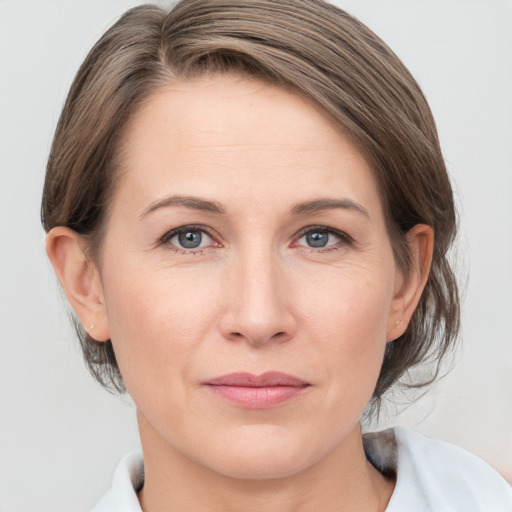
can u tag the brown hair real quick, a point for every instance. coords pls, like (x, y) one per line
(306, 46)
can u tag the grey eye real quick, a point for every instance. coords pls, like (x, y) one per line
(317, 238)
(190, 239)
(323, 238)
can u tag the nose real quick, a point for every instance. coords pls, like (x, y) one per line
(258, 304)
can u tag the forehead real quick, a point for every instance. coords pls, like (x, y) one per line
(221, 131)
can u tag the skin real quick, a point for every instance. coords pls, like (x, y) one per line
(254, 297)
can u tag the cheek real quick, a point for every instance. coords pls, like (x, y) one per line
(157, 321)
(347, 322)
(351, 305)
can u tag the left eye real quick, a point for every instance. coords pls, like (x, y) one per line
(319, 238)
(189, 238)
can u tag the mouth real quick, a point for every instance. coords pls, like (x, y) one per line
(264, 391)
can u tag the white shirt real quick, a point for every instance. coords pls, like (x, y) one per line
(432, 476)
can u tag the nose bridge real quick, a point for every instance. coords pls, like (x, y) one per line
(259, 310)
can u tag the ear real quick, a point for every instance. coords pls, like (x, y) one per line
(409, 288)
(80, 280)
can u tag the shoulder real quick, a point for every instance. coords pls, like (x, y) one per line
(128, 478)
(437, 476)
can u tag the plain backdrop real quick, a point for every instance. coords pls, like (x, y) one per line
(61, 435)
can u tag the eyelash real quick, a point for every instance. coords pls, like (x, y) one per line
(185, 229)
(346, 240)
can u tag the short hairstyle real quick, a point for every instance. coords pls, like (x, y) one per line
(308, 47)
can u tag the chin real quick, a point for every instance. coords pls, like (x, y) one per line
(267, 454)
(258, 467)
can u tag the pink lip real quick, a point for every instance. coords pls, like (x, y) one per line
(257, 391)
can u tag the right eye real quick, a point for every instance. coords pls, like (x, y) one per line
(189, 239)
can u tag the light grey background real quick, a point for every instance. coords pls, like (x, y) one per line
(61, 435)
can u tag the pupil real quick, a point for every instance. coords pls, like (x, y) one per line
(190, 239)
(317, 239)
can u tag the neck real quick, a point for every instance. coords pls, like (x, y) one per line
(342, 481)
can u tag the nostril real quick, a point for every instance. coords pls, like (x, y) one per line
(275, 337)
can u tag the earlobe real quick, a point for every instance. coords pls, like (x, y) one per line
(80, 280)
(421, 246)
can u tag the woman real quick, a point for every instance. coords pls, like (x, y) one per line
(248, 210)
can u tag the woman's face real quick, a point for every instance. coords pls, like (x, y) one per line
(246, 236)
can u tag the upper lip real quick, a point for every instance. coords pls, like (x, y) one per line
(268, 379)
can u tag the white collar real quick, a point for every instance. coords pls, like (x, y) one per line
(432, 476)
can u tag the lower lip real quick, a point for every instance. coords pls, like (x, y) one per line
(257, 397)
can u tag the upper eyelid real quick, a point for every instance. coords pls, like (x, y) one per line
(164, 240)
(215, 237)
(188, 227)
(328, 229)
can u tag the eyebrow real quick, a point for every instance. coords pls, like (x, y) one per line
(194, 203)
(304, 208)
(318, 205)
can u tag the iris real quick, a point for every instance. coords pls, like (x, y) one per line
(317, 238)
(190, 239)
